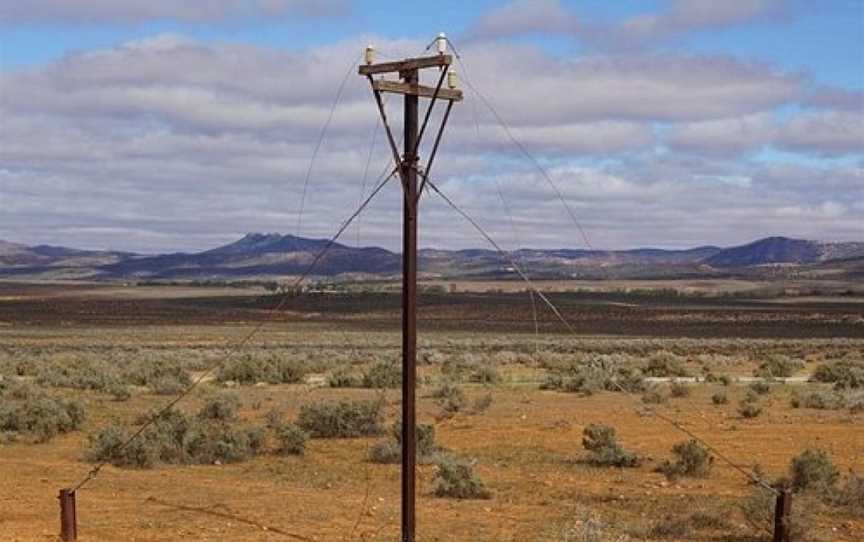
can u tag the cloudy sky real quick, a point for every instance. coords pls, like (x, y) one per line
(162, 125)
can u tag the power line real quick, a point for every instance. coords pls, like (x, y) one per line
(320, 141)
(232, 350)
(674, 423)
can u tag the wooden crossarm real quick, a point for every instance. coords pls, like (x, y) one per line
(417, 90)
(406, 65)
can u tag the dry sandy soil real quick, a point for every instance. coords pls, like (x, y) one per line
(526, 446)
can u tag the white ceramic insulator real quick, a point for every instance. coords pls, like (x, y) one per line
(452, 79)
(441, 40)
(370, 54)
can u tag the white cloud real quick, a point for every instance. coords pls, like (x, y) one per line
(135, 11)
(168, 143)
(821, 133)
(523, 17)
(676, 19)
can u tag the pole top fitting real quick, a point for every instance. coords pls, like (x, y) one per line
(441, 42)
(370, 54)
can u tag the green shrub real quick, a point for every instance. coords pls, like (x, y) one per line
(843, 374)
(758, 508)
(760, 388)
(25, 409)
(725, 380)
(604, 450)
(813, 469)
(749, 409)
(589, 378)
(819, 400)
(486, 374)
(778, 366)
(390, 450)
(425, 437)
(159, 374)
(719, 398)
(665, 365)
(119, 392)
(220, 407)
(449, 397)
(168, 385)
(850, 495)
(692, 459)
(455, 479)
(175, 438)
(221, 443)
(383, 375)
(654, 397)
(79, 374)
(342, 378)
(341, 419)
(385, 452)
(291, 439)
(679, 389)
(272, 369)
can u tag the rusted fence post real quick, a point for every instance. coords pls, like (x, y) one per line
(68, 516)
(782, 515)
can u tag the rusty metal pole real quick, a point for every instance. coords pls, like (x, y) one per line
(782, 515)
(68, 516)
(409, 311)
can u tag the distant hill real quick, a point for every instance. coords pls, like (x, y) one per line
(273, 255)
(782, 250)
(15, 255)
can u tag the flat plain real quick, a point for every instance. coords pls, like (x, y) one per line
(526, 390)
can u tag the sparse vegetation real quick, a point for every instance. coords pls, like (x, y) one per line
(176, 438)
(291, 439)
(758, 508)
(390, 450)
(760, 388)
(455, 479)
(778, 366)
(254, 368)
(664, 364)
(26, 410)
(691, 459)
(603, 448)
(383, 375)
(449, 397)
(845, 375)
(341, 419)
(749, 409)
(813, 470)
(819, 400)
(524, 442)
(679, 389)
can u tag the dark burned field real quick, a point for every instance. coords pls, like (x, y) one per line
(506, 312)
(511, 403)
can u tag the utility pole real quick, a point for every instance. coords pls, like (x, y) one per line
(408, 165)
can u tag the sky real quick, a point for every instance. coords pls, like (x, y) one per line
(166, 126)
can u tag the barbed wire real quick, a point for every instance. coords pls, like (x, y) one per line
(611, 378)
(232, 350)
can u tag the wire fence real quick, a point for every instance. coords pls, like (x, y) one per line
(517, 265)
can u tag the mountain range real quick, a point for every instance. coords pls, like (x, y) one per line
(260, 256)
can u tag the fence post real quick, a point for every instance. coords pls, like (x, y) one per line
(68, 516)
(782, 515)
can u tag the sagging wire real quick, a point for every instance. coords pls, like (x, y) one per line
(669, 420)
(231, 351)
